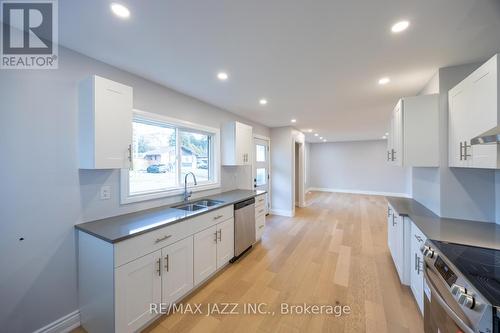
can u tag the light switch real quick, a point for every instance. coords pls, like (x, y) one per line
(105, 192)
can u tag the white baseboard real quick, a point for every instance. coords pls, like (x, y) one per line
(388, 194)
(282, 212)
(62, 325)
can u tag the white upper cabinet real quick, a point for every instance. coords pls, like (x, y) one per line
(414, 132)
(105, 124)
(473, 110)
(237, 144)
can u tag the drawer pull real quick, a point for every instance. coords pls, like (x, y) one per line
(261, 200)
(261, 211)
(167, 263)
(418, 238)
(261, 226)
(161, 239)
(158, 269)
(218, 217)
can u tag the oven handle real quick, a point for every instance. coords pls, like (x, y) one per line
(445, 306)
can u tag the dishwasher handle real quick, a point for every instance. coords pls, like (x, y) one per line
(243, 204)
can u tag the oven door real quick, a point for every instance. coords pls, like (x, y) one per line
(441, 312)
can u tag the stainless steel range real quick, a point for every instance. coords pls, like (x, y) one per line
(462, 288)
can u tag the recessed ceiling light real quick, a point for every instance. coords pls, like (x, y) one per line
(120, 10)
(222, 76)
(400, 26)
(324, 140)
(293, 120)
(316, 134)
(263, 101)
(384, 80)
(384, 137)
(321, 138)
(309, 130)
(386, 134)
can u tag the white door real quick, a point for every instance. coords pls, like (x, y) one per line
(138, 284)
(205, 254)
(178, 270)
(225, 242)
(261, 168)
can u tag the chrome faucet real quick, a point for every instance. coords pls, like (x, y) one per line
(187, 194)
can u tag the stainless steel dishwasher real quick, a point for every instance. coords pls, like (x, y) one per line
(244, 226)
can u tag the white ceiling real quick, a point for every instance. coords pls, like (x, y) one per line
(314, 60)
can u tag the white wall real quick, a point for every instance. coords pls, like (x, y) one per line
(358, 166)
(43, 194)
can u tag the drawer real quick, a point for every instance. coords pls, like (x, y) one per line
(260, 204)
(260, 225)
(141, 245)
(207, 220)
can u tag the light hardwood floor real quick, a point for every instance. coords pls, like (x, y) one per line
(332, 252)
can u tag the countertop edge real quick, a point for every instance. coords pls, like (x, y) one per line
(80, 227)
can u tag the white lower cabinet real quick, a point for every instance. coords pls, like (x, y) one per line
(137, 284)
(120, 283)
(225, 242)
(398, 230)
(404, 239)
(417, 239)
(213, 248)
(260, 216)
(205, 254)
(177, 277)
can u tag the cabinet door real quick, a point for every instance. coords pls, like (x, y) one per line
(205, 254)
(483, 116)
(177, 277)
(137, 284)
(416, 266)
(113, 123)
(398, 134)
(390, 232)
(457, 111)
(225, 244)
(244, 143)
(397, 250)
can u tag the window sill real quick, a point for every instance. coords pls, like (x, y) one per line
(127, 199)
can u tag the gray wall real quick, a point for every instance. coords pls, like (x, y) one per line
(43, 194)
(356, 166)
(453, 192)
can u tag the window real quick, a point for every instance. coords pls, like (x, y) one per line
(164, 150)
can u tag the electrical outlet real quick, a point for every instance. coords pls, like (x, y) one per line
(105, 192)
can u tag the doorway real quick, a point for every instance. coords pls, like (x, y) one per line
(298, 175)
(261, 167)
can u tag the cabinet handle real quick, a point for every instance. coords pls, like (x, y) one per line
(167, 263)
(220, 235)
(260, 200)
(388, 155)
(161, 239)
(461, 148)
(261, 211)
(158, 269)
(130, 158)
(393, 220)
(261, 226)
(419, 270)
(416, 263)
(215, 236)
(466, 146)
(218, 217)
(393, 155)
(418, 238)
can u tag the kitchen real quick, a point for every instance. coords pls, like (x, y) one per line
(179, 166)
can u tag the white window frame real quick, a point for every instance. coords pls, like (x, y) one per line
(125, 196)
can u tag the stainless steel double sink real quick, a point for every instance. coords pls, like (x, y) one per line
(198, 205)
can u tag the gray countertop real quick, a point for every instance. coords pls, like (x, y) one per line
(465, 232)
(118, 228)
